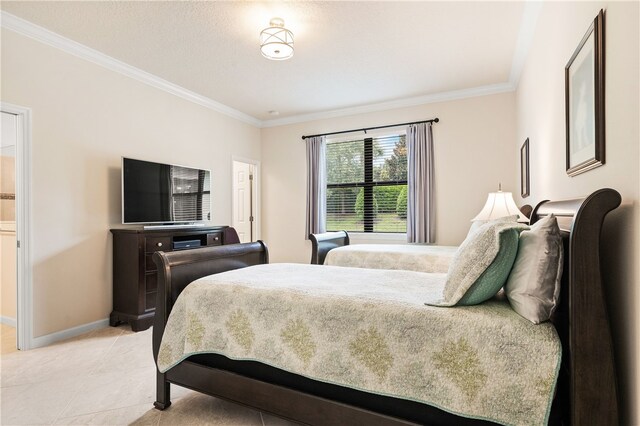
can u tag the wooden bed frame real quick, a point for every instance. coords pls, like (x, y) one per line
(321, 244)
(586, 391)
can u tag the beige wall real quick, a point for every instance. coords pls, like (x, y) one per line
(474, 151)
(541, 118)
(85, 118)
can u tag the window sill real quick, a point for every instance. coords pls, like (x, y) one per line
(377, 238)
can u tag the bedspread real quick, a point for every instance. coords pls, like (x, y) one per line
(369, 329)
(409, 257)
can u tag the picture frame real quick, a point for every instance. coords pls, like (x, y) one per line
(584, 101)
(524, 170)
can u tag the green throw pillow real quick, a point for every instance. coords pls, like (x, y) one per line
(496, 275)
(481, 265)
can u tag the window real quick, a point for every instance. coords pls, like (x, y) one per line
(367, 184)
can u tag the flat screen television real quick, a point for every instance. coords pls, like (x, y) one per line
(157, 193)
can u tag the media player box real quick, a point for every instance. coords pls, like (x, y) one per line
(177, 245)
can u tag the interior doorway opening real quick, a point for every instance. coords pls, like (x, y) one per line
(245, 199)
(8, 239)
(16, 269)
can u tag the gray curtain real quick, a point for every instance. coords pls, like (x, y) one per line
(316, 186)
(420, 208)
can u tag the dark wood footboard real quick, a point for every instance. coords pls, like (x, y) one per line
(179, 268)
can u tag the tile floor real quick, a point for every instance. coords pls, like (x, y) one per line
(105, 377)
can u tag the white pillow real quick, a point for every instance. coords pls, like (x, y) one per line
(533, 287)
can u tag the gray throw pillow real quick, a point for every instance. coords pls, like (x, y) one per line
(481, 265)
(533, 287)
(476, 224)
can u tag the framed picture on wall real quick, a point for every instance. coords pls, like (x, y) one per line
(584, 101)
(524, 169)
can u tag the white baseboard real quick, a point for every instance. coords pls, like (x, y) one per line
(49, 339)
(11, 322)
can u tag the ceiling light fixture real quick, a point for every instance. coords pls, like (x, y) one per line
(276, 42)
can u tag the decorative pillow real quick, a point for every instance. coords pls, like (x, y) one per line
(476, 224)
(482, 264)
(533, 287)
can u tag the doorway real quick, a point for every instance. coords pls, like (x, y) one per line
(8, 241)
(15, 223)
(244, 188)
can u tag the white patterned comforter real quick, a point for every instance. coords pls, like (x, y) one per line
(408, 257)
(369, 329)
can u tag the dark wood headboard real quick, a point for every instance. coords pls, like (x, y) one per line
(321, 244)
(587, 380)
(526, 210)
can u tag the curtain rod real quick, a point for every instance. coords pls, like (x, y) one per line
(364, 129)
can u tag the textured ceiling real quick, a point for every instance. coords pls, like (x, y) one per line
(347, 54)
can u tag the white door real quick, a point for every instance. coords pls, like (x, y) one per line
(243, 201)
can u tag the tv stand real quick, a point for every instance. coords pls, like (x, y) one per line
(173, 226)
(135, 276)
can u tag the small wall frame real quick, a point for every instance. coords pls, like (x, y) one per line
(524, 170)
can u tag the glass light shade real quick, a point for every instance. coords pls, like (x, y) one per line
(276, 42)
(499, 204)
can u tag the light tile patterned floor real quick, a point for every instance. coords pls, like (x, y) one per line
(105, 377)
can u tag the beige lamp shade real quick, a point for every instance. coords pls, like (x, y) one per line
(499, 204)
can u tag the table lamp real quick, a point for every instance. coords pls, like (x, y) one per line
(499, 204)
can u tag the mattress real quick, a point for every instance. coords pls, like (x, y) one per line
(409, 257)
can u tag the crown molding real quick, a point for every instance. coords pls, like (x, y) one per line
(523, 44)
(491, 89)
(31, 30)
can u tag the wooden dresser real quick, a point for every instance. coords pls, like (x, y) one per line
(135, 276)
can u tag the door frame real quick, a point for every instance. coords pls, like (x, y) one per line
(256, 187)
(24, 272)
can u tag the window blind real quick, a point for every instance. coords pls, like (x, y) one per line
(367, 184)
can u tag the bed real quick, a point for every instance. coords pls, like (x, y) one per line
(409, 257)
(586, 386)
(334, 248)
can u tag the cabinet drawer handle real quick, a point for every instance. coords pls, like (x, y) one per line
(216, 238)
(159, 244)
